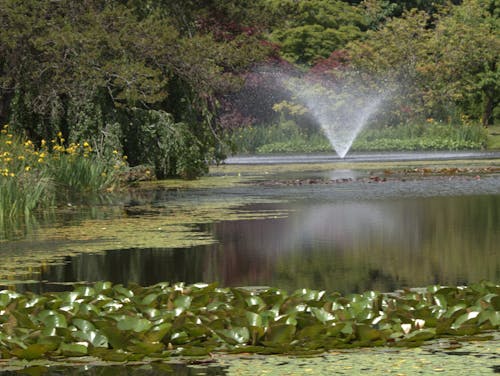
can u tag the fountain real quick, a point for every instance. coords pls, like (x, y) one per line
(340, 110)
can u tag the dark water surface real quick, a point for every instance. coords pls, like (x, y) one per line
(346, 237)
(338, 244)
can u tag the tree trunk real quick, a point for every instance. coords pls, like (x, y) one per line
(489, 105)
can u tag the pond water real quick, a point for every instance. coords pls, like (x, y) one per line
(337, 246)
(351, 235)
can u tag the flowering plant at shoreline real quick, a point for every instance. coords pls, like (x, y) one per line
(33, 176)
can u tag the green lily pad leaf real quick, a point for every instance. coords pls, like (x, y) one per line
(110, 355)
(234, 336)
(195, 351)
(309, 295)
(311, 332)
(149, 299)
(280, 334)
(495, 303)
(255, 301)
(23, 320)
(69, 297)
(465, 318)
(467, 330)
(136, 324)
(93, 337)
(348, 329)
(420, 335)
(83, 325)
(34, 351)
(322, 315)
(335, 330)
(441, 301)
(367, 333)
(183, 302)
(101, 287)
(254, 319)
(120, 290)
(85, 291)
(6, 296)
(55, 320)
(52, 341)
(74, 349)
(116, 337)
(146, 348)
(87, 309)
(179, 338)
(492, 316)
(158, 332)
(455, 310)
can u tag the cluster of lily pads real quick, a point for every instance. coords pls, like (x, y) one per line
(118, 323)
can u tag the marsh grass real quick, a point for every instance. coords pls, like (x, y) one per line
(34, 177)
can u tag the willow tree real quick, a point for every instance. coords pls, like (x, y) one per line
(142, 78)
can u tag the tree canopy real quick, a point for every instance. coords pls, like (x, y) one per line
(156, 79)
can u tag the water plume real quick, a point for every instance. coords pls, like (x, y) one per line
(340, 110)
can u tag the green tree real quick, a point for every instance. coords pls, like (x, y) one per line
(464, 66)
(313, 29)
(93, 68)
(390, 58)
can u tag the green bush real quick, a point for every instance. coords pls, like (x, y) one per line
(173, 149)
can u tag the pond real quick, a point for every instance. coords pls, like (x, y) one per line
(339, 226)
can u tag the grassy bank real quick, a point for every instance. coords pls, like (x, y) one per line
(288, 137)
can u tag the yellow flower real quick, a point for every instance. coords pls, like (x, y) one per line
(8, 142)
(86, 144)
(27, 168)
(43, 143)
(21, 157)
(40, 160)
(115, 152)
(59, 134)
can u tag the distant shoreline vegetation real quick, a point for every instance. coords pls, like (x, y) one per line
(288, 137)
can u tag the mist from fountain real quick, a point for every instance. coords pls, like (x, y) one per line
(340, 111)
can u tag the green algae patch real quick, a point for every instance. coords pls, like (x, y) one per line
(172, 225)
(204, 182)
(439, 357)
(115, 323)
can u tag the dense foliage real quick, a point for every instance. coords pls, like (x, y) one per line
(164, 82)
(124, 75)
(119, 323)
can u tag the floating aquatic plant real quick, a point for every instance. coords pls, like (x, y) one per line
(116, 323)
